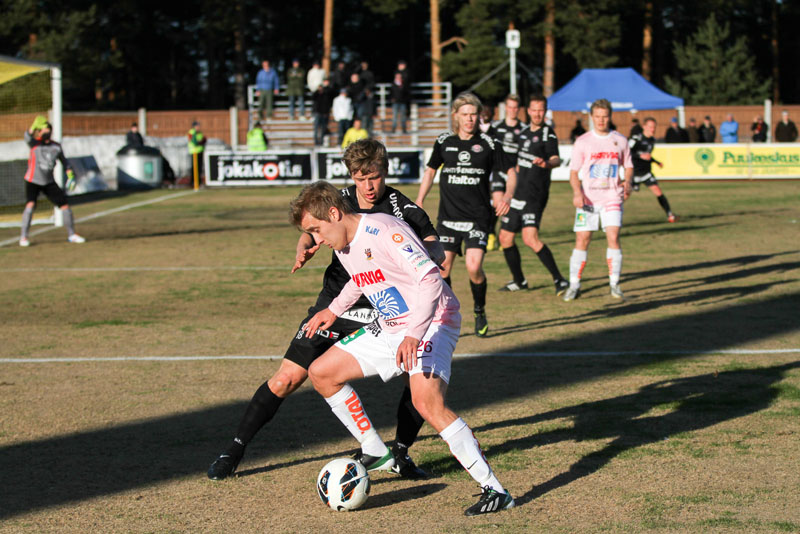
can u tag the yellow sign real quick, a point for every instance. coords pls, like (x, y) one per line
(701, 161)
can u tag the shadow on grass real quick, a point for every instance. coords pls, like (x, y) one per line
(85, 465)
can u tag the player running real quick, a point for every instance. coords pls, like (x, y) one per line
(642, 145)
(368, 165)
(467, 159)
(506, 132)
(597, 194)
(45, 153)
(536, 156)
(415, 333)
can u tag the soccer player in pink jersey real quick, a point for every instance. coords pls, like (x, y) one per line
(415, 333)
(598, 191)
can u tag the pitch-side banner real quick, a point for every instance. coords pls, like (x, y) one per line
(405, 166)
(714, 161)
(258, 168)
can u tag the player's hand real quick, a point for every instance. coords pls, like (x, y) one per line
(501, 206)
(70, 180)
(578, 201)
(407, 353)
(303, 256)
(39, 122)
(627, 188)
(539, 162)
(646, 156)
(660, 165)
(322, 320)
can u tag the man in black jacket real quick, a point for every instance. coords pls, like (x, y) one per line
(322, 100)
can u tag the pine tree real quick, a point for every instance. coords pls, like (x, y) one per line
(716, 71)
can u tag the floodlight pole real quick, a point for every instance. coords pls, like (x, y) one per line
(512, 43)
(55, 121)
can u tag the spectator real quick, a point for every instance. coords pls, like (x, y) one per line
(256, 138)
(636, 129)
(339, 77)
(367, 76)
(314, 77)
(321, 106)
(355, 133)
(729, 130)
(485, 125)
(342, 113)
(294, 89)
(402, 69)
(196, 144)
(400, 98)
(693, 132)
(133, 137)
(785, 131)
(759, 129)
(267, 84)
(366, 110)
(675, 134)
(577, 131)
(708, 132)
(355, 89)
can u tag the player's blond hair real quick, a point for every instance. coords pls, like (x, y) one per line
(601, 103)
(317, 199)
(465, 99)
(365, 156)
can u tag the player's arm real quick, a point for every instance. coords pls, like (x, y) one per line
(502, 200)
(306, 248)
(324, 319)
(578, 199)
(628, 181)
(428, 292)
(435, 249)
(425, 185)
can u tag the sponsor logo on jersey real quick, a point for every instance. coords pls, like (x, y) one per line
(389, 303)
(368, 253)
(350, 337)
(529, 218)
(604, 155)
(397, 238)
(451, 149)
(446, 239)
(463, 180)
(414, 256)
(464, 156)
(373, 231)
(600, 170)
(458, 226)
(477, 234)
(477, 148)
(517, 204)
(368, 278)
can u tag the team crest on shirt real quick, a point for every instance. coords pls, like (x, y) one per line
(477, 148)
(535, 138)
(464, 156)
(397, 238)
(389, 303)
(368, 253)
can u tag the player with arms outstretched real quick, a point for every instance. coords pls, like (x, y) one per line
(467, 159)
(415, 333)
(642, 145)
(595, 173)
(368, 165)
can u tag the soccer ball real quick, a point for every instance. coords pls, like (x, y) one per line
(343, 484)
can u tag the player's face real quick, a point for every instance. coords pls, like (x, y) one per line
(601, 117)
(466, 117)
(512, 109)
(331, 232)
(649, 128)
(369, 187)
(536, 111)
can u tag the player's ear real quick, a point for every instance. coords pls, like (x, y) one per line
(334, 215)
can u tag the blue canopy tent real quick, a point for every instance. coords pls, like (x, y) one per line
(625, 88)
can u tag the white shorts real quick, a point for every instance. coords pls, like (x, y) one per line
(376, 351)
(589, 221)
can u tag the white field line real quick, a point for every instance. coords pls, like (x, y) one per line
(455, 356)
(146, 268)
(102, 214)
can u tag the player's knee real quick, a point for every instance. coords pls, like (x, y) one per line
(284, 383)
(506, 239)
(427, 406)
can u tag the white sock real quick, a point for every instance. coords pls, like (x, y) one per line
(458, 435)
(27, 217)
(69, 221)
(346, 405)
(576, 264)
(614, 260)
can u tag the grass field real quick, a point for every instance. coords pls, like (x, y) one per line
(675, 410)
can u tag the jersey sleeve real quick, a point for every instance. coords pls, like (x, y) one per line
(502, 160)
(349, 295)
(576, 162)
(627, 161)
(550, 145)
(416, 218)
(436, 161)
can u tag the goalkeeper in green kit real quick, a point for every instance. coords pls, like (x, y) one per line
(39, 178)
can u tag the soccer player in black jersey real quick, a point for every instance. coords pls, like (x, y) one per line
(467, 158)
(368, 165)
(537, 155)
(642, 145)
(505, 132)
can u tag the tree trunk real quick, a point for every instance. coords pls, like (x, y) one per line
(776, 86)
(436, 48)
(240, 89)
(647, 41)
(548, 84)
(327, 36)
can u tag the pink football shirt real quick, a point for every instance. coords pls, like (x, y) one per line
(388, 264)
(600, 161)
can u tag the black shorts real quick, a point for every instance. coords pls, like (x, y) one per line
(452, 234)
(525, 213)
(646, 179)
(303, 351)
(51, 191)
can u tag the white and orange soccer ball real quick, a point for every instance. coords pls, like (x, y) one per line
(343, 484)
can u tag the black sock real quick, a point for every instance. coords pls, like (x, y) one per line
(409, 421)
(546, 257)
(664, 203)
(478, 295)
(447, 281)
(259, 412)
(514, 262)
